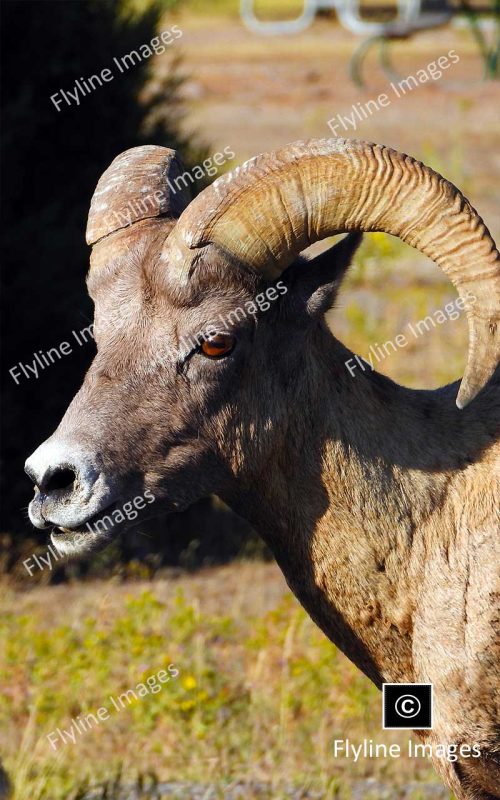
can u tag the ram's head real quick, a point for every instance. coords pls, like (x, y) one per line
(209, 327)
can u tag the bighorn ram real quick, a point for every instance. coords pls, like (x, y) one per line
(380, 503)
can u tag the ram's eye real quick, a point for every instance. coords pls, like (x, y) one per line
(217, 346)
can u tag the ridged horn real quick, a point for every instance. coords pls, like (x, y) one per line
(140, 183)
(275, 205)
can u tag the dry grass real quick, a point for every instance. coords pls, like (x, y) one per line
(260, 696)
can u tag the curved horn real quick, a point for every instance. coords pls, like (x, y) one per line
(140, 183)
(265, 212)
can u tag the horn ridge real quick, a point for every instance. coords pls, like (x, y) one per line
(273, 206)
(140, 183)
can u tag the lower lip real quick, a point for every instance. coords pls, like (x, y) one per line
(59, 530)
(64, 533)
(68, 533)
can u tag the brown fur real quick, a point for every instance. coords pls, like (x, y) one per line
(380, 503)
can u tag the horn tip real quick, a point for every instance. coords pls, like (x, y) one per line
(468, 391)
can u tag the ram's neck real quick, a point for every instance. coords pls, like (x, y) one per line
(347, 503)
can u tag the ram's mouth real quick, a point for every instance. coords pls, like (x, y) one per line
(95, 523)
(95, 534)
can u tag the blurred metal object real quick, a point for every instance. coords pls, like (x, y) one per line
(384, 23)
(280, 27)
(411, 15)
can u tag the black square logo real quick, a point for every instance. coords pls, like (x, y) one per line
(407, 706)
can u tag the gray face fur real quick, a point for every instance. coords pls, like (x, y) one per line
(157, 416)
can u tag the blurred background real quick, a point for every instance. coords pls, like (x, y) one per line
(261, 693)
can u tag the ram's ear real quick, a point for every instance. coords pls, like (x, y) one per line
(313, 284)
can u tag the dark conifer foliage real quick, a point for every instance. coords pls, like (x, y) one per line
(51, 162)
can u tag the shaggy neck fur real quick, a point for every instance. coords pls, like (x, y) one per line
(354, 502)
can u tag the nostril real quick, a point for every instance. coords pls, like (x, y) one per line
(60, 479)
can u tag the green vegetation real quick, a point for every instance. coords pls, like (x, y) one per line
(390, 287)
(259, 696)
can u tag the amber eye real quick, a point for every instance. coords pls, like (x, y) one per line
(219, 345)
